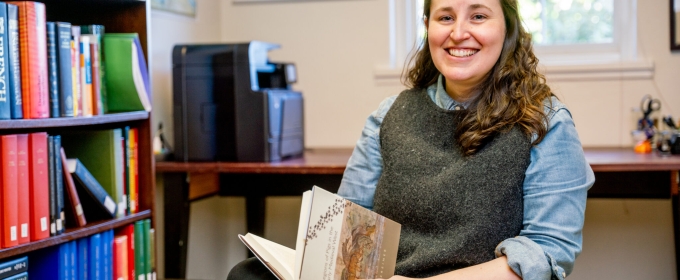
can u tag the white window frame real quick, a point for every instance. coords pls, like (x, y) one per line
(616, 60)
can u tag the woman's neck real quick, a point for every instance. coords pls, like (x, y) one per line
(460, 93)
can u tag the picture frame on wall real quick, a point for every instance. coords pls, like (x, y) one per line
(675, 24)
(182, 7)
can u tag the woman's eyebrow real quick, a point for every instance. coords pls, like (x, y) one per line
(478, 6)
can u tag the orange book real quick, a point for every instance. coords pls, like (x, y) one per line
(75, 74)
(38, 186)
(71, 195)
(97, 106)
(33, 57)
(22, 183)
(120, 258)
(133, 170)
(9, 194)
(85, 76)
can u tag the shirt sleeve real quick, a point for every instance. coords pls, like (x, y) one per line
(555, 192)
(365, 165)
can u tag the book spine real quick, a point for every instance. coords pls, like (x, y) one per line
(120, 257)
(130, 232)
(10, 217)
(14, 69)
(94, 188)
(23, 185)
(52, 184)
(140, 252)
(53, 76)
(20, 276)
(96, 257)
(152, 252)
(13, 267)
(107, 247)
(147, 248)
(97, 106)
(99, 31)
(64, 69)
(72, 194)
(86, 75)
(83, 259)
(33, 42)
(5, 102)
(126, 168)
(134, 171)
(75, 70)
(38, 186)
(73, 264)
(64, 261)
(59, 184)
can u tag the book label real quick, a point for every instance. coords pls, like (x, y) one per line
(43, 224)
(79, 209)
(53, 228)
(13, 233)
(109, 204)
(58, 224)
(24, 230)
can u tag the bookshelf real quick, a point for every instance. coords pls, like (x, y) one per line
(118, 16)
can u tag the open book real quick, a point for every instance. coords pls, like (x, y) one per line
(336, 239)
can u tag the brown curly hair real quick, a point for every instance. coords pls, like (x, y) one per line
(512, 94)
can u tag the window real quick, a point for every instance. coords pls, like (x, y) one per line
(578, 35)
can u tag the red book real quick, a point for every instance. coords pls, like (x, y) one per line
(97, 106)
(120, 258)
(10, 192)
(22, 183)
(130, 232)
(38, 186)
(33, 57)
(76, 209)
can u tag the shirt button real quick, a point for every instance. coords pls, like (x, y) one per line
(457, 107)
(564, 274)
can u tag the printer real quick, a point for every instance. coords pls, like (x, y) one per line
(232, 104)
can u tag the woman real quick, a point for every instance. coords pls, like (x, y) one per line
(478, 161)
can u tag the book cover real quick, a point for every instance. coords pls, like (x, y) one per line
(98, 30)
(75, 215)
(152, 252)
(107, 255)
(14, 66)
(10, 191)
(73, 259)
(83, 269)
(50, 263)
(20, 276)
(85, 75)
(75, 71)
(133, 170)
(65, 78)
(52, 185)
(13, 267)
(140, 251)
(120, 257)
(33, 56)
(127, 78)
(38, 186)
(97, 196)
(5, 102)
(59, 184)
(96, 257)
(129, 231)
(336, 239)
(23, 186)
(125, 163)
(97, 106)
(147, 247)
(102, 153)
(53, 77)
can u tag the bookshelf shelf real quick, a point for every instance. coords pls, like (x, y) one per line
(70, 122)
(75, 233)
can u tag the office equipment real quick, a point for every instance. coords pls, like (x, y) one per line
(232, 104)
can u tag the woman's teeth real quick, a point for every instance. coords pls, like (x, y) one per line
(462, 53)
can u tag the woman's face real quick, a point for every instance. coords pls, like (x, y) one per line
(466, 38)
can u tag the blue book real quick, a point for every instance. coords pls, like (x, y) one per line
(107, 255)
(14, 64)
(83, 260)
(50, 263)
(96, 257)
(13, 267)
(92, 193)
(65, 78)
(53, 77)
(4, 54)
(73, 261)
(21, 276)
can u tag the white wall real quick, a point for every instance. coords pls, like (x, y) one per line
(337, 45)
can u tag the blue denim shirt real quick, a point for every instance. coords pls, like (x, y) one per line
(555, 189)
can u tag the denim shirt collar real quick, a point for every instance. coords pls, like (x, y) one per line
(438, 93)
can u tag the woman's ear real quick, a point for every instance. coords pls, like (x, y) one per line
(426, 23)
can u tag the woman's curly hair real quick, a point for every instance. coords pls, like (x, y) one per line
(512, 94)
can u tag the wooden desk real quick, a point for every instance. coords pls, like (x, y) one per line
(619, 173)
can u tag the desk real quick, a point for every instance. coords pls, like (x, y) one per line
(619, 173)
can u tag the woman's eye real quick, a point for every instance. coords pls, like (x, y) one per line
(446, 18)
(478, 17)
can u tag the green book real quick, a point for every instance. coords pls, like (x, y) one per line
(152, 251)
(102, 152)
(140, 251)
(127, 77)
(147, 248)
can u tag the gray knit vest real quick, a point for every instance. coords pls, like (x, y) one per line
(453, 210)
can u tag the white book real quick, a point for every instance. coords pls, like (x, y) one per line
(335, 237)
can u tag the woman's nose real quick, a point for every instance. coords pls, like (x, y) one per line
(459, 32)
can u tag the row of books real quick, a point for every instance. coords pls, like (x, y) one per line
(55, 69)
(128, 253)
(43, 191)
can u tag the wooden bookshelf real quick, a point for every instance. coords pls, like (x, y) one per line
(118, 16)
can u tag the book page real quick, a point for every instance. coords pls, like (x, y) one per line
(302, 231)
(280, 257)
